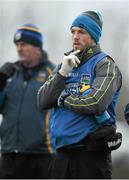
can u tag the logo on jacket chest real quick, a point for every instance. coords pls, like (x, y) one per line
(73, 75)
(85, 79)
(82, 78)
(79, 83)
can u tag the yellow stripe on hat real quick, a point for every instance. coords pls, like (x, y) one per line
(30, 28)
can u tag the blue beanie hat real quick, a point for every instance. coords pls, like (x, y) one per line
(92, 22)
(29, 33)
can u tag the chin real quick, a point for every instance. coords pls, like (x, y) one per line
(22, 59)
(77, 48)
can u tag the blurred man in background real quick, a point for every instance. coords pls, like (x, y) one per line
(25, 144)
(83, 93)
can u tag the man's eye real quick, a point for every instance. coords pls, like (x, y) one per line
(82, 32)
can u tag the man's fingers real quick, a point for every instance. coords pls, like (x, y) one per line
(75, 52)
(77, 60)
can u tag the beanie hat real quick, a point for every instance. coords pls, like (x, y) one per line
(29, 33)
(92, 22)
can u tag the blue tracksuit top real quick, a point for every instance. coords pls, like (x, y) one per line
(68, 127)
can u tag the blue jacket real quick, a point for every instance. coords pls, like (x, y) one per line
(93, 92)
(74, 127)
(24, 129)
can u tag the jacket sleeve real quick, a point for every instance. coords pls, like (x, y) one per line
(2, 100)
(107, 81)
(48, 94)
(3, 79)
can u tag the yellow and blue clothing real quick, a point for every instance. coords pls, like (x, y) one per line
(94, 89)
(23, 128)
(69, 127)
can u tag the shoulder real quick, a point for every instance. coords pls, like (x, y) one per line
(108, 67)
(48, 64)
(105, 62)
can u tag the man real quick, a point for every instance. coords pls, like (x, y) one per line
(83, 93)
(25, 142)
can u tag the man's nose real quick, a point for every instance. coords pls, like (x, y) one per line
(76, 35)
(19, 47)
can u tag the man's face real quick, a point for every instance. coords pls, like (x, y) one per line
(80, 38)
(28, 54)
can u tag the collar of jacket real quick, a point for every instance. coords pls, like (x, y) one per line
(87, 53)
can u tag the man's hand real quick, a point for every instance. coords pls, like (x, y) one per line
(69, 62)
(7, 69)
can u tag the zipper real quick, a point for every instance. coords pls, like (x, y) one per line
(25, 84)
